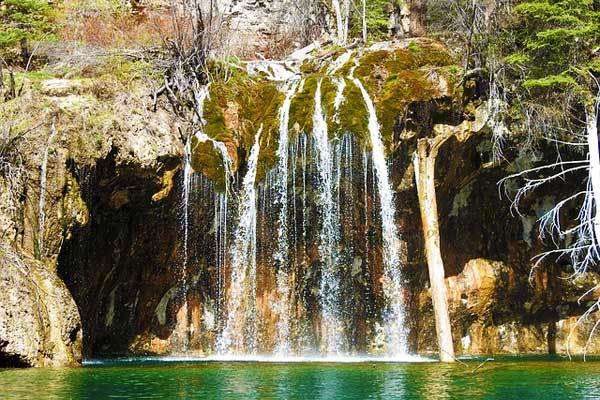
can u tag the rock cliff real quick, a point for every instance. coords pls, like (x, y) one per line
(109, 222)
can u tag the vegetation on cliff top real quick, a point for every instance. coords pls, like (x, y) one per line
(554, 42)
(20, 22)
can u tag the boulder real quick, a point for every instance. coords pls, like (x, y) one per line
(39, 321)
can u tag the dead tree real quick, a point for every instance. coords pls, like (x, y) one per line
(424, 164)
(424, 160)
(576, 240)
(187, 53)
(342, 18)
(364, 21)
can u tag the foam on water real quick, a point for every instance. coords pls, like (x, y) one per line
(254, 358)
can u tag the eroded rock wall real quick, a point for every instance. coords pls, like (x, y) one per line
(39, 321)
(113, 220)
(73, 128)
(500, 301)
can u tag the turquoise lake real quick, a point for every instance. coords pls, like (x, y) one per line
(509, 378)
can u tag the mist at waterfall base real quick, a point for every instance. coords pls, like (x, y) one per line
(508, 378)
(292, 249)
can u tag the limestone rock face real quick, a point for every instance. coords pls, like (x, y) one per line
(39, 320)
(484, 300)
(96, 128)
(261, 26)
(113, 210)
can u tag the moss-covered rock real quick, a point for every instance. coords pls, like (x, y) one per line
(234, 112)
(395, 76)
(303, 105)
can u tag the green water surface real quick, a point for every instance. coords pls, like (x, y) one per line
(499, 379)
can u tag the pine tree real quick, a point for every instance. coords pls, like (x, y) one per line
(557, 41)
(22, 21)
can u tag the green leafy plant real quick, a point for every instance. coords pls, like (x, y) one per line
(557, 40)
(22, 21)
(377, 16)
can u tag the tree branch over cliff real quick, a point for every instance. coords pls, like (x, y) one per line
(196, 27)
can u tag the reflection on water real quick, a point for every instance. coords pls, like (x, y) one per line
(512, 379)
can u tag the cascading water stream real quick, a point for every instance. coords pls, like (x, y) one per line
(394, 315)
(339, 98)
(187, 187)
(239, 333)
(221, 213)
(43, 184)
(332, 341)
(187, 179)
(283, 306)
(222, 198)
(188, 172)
(308, 203)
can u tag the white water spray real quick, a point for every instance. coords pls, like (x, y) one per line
(239, 332)
(332, 341)
(394, 317)
(283, 306)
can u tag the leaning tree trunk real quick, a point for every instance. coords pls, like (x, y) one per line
(342, 19)
(424, 163)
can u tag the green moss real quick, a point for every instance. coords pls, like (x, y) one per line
(207, 160)
(214, 116)
(263, 110)
(432, 55)
(126, 72)
(344, 70)
(400, 90)
(414, 47)
(353, 115)
(234, 112)
(35, 77)
(302, 106)
(328, 93)
(375, 67)
(309, 67)
(371, 61)
(239, 106)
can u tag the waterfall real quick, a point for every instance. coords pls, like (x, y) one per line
(331, 325)
(339, 62)
(365, 166)
(221, 212)
(220, 224)
(187, 183)
(43, 184)
(394, 315)
(187, 188)
(239, 332)
(306, 230)
(283, 307)
(187, 179)
(302, 142)
(339, 98)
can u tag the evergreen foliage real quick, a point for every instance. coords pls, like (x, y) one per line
(556, 42)
(377, 19)
(22, 21)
